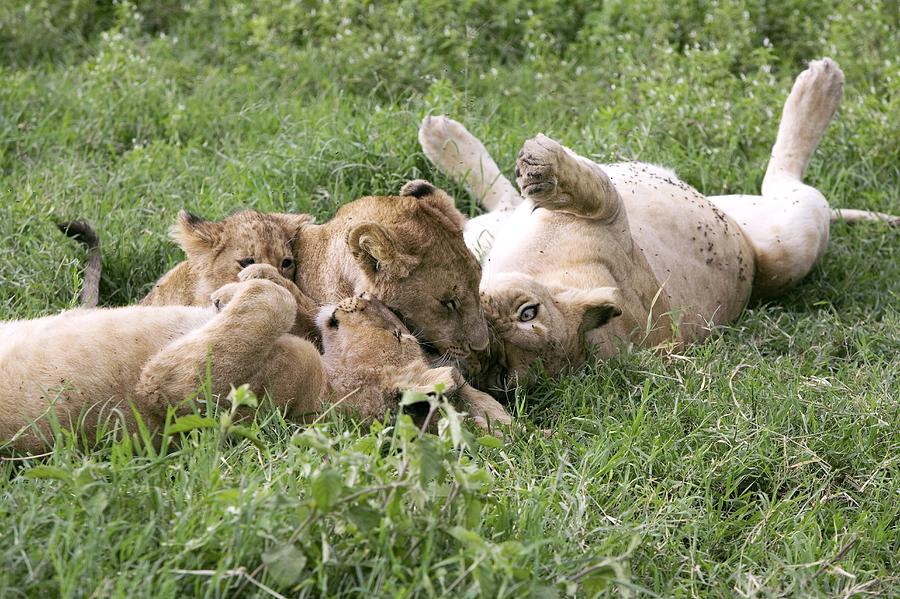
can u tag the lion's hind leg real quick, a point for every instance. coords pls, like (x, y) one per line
(788, 225)
(239, 345)
(788, 233)
(809, 108)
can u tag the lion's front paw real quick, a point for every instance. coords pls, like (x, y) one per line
(223, 295)
(260, 271)
(537, 169)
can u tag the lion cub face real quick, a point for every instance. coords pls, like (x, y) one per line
(218, 250)
(372, 358)
(535, 323)
(411, 250)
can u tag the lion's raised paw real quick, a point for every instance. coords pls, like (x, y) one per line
(260, 271)
(537, 168)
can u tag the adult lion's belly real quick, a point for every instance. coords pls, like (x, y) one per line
(696, 251)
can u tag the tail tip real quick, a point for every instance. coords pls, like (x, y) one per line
(80, 230)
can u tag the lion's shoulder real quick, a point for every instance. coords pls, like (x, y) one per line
(176, 287)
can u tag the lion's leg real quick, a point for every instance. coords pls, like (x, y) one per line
(788, 225)
(307, 309)
(293, 376)
(484, 410)
(459, 155)
(809, 108)
(555, 178)
(233, 345)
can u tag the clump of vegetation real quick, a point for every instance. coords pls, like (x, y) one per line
(760, 463)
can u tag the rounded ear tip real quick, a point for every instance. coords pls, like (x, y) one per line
(189, 218)
(418, 188)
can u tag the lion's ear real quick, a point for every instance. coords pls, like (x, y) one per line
(426, 381)
(436, 199)
(195, 234)
(291, 223)
(379, 253)
(592, 308)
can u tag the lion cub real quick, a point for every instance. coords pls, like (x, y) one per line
(216, 252)
(371, 358)
(408, 250)
(85, 367)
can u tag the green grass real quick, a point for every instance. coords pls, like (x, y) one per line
(765, 462)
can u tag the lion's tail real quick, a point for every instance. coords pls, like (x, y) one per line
(853, 216)
(82, 231)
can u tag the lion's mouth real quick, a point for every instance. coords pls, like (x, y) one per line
(427, 346)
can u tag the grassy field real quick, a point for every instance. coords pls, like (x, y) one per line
(763, 463)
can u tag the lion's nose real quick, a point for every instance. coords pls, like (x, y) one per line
(479, 345)
(478, 338)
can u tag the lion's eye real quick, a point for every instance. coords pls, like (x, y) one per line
(528, 312)
(451, 304)
(246, 262)
(287, 264)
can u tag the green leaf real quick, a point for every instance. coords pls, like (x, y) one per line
(412, 397)
(51, 472)
(285, 564)
(394, 507)
(405, 427)
(245, 433)
(431, 463)
(191, 422)
(229, 496)
(452, 421)
(243, 396)
(364, 517)
(473, 513)
(468, 538)
(597, 580)
(97, 502)
(326, 488)
(312, 438)
(490, 441)
(367, 445)
(511, 550)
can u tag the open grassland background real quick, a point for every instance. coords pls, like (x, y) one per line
(766, 461)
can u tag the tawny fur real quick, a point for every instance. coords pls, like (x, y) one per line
(370, 358)
(407, 250)
(216, 251)
(585, 241)
(83, 367)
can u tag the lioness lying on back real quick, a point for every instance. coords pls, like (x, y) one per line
(605, 255)
(88, 365)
